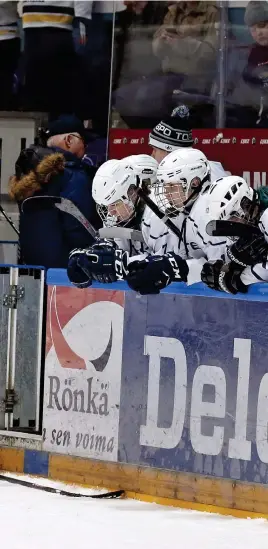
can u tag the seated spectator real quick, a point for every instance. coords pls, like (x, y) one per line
(187, 43)
(180, 56)
(249, 90)
(47, 236)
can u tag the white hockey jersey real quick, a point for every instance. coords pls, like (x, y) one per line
(193, 245)
(198, 244)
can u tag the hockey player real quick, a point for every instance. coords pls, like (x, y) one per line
(115, 192)
(223, 264)
(174, 133)
(116, 196)
(246, 258)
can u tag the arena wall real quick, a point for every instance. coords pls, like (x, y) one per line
(162, 396)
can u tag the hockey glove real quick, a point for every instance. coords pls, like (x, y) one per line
(78, 269)
(154, 273)
(103, 262)
(107, 263)
(223, 277)
(246, 251)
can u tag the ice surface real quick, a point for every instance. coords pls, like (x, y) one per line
(31, 519)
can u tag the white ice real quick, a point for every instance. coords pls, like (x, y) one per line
(31, 519)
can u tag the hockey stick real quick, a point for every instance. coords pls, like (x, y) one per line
(21, 482)
(9, 220)
(143, 194)
(231, 228)
(36, 203)
(121, 232)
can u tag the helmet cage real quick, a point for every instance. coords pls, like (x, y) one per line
(120, 212)
(173, 197)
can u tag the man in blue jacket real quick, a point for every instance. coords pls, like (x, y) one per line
(48, 236)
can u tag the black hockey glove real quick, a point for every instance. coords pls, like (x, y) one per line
(224, 277)
(103, 262)
(246, 251)
(107, 262)
(154, 273)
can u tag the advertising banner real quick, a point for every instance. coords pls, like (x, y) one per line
(194, 392)
(83, 372)
(241, 152)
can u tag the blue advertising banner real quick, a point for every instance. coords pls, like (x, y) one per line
(194, 385)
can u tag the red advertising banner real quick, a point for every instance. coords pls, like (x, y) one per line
(241, 152)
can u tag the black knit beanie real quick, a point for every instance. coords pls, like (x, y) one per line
(173, 132)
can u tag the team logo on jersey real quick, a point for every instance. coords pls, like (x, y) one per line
(194, 246)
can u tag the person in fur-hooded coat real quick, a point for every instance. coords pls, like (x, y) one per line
(48, 236)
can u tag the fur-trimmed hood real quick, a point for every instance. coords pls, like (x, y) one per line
(28, 185)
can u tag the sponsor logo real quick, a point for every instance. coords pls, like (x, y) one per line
(264, 142)
(244, 141)
(83, 373)
(134, 141)
(237, 445)
(206, 141)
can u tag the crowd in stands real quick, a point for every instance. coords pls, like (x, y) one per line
(182, 56)
(56, 57)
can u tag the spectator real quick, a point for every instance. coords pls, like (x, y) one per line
(54, 78)
(249, 90)
(9, 52)
(179, 57)
(186, 43)
(47, 237)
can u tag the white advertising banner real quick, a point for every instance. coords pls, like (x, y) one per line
(83, 372)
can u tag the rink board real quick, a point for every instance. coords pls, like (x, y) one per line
(163, 396)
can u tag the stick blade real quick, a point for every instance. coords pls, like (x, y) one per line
(38, 203)
(121, 233)
(231, 228)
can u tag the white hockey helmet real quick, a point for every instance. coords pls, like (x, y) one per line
(180, 178)
(114, 191)
(230, 197)
(145, 166)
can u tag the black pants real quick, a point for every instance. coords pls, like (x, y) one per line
(53, 75)
(9, 57)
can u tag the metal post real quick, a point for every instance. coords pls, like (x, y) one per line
(222, 64)
(11, 348)
(111, 82)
